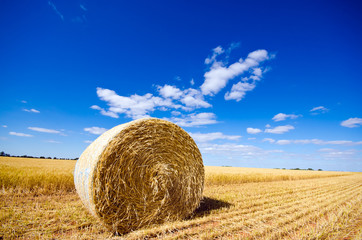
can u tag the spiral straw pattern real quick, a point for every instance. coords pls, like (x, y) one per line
(141, 173)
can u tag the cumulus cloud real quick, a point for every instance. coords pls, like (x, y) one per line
(253, 130)
(31, 110)
(318, 110)
(207, 137)
(135, 106)
(352, 122)
(279, 129)
(175, 99)
(283, 116)
(219, 74)
(168, 91)
(239, 90)
(194, 120)
(20, 134)
(95, 130)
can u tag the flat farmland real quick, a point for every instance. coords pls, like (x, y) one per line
(38, 201)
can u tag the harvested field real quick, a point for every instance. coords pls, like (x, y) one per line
(37, 201)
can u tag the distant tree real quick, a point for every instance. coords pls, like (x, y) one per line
(320, 170)
(54, 157)
(310, 169)
(42, 157)
(2, 153)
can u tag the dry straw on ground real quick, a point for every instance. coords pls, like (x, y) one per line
(141, 173)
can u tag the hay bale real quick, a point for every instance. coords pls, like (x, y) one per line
(141, 173)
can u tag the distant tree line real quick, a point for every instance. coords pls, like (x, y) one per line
(307, 169)
(3, 154)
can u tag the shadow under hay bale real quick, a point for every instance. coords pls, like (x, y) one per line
(207, 205)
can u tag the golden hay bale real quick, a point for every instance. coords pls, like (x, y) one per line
(144, 172)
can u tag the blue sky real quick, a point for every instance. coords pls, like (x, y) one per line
(271, 84)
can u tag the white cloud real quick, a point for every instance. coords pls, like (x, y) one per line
(20, 134)
(31, 110)
(319, 142)
(193, 119)
(352, 122)
(168, 91)
(88, 141)
(193, 98)
(51, 4)
(206, 137)
(268, 140)
(192, 82)
(330, 153)
(318, 110)
(283, 142)
(283, 116)
(4, 126)
(216, 52)
(23, 101)
(135, 106)
(95, 130)
(251, 138)
(253, 130)
(267, 126)
(279, 129)
(219, 75)
(104, 112)
(45, 130)
(53, 141)
(239, 90)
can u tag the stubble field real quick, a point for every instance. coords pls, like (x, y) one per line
(38, 201)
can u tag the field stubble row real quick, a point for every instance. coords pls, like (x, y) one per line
(239, 203)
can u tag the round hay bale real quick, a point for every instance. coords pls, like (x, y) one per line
(141, 173)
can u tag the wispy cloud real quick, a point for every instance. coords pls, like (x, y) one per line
(283, 116)
(279, 129)
(23, 101)
(52, 5)
(194, 120)
(44, 130)
(31, 110)
(95, 130)
(20, 134)
(253, 130)
(104, 112)
(318, 110)
(4, 126)
(52, 141)
(220, 74)
(208, 137)
(318, 142)
(270, 140)
(352, 122)
(88, 141)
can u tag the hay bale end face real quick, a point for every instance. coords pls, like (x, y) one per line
(141, 173)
